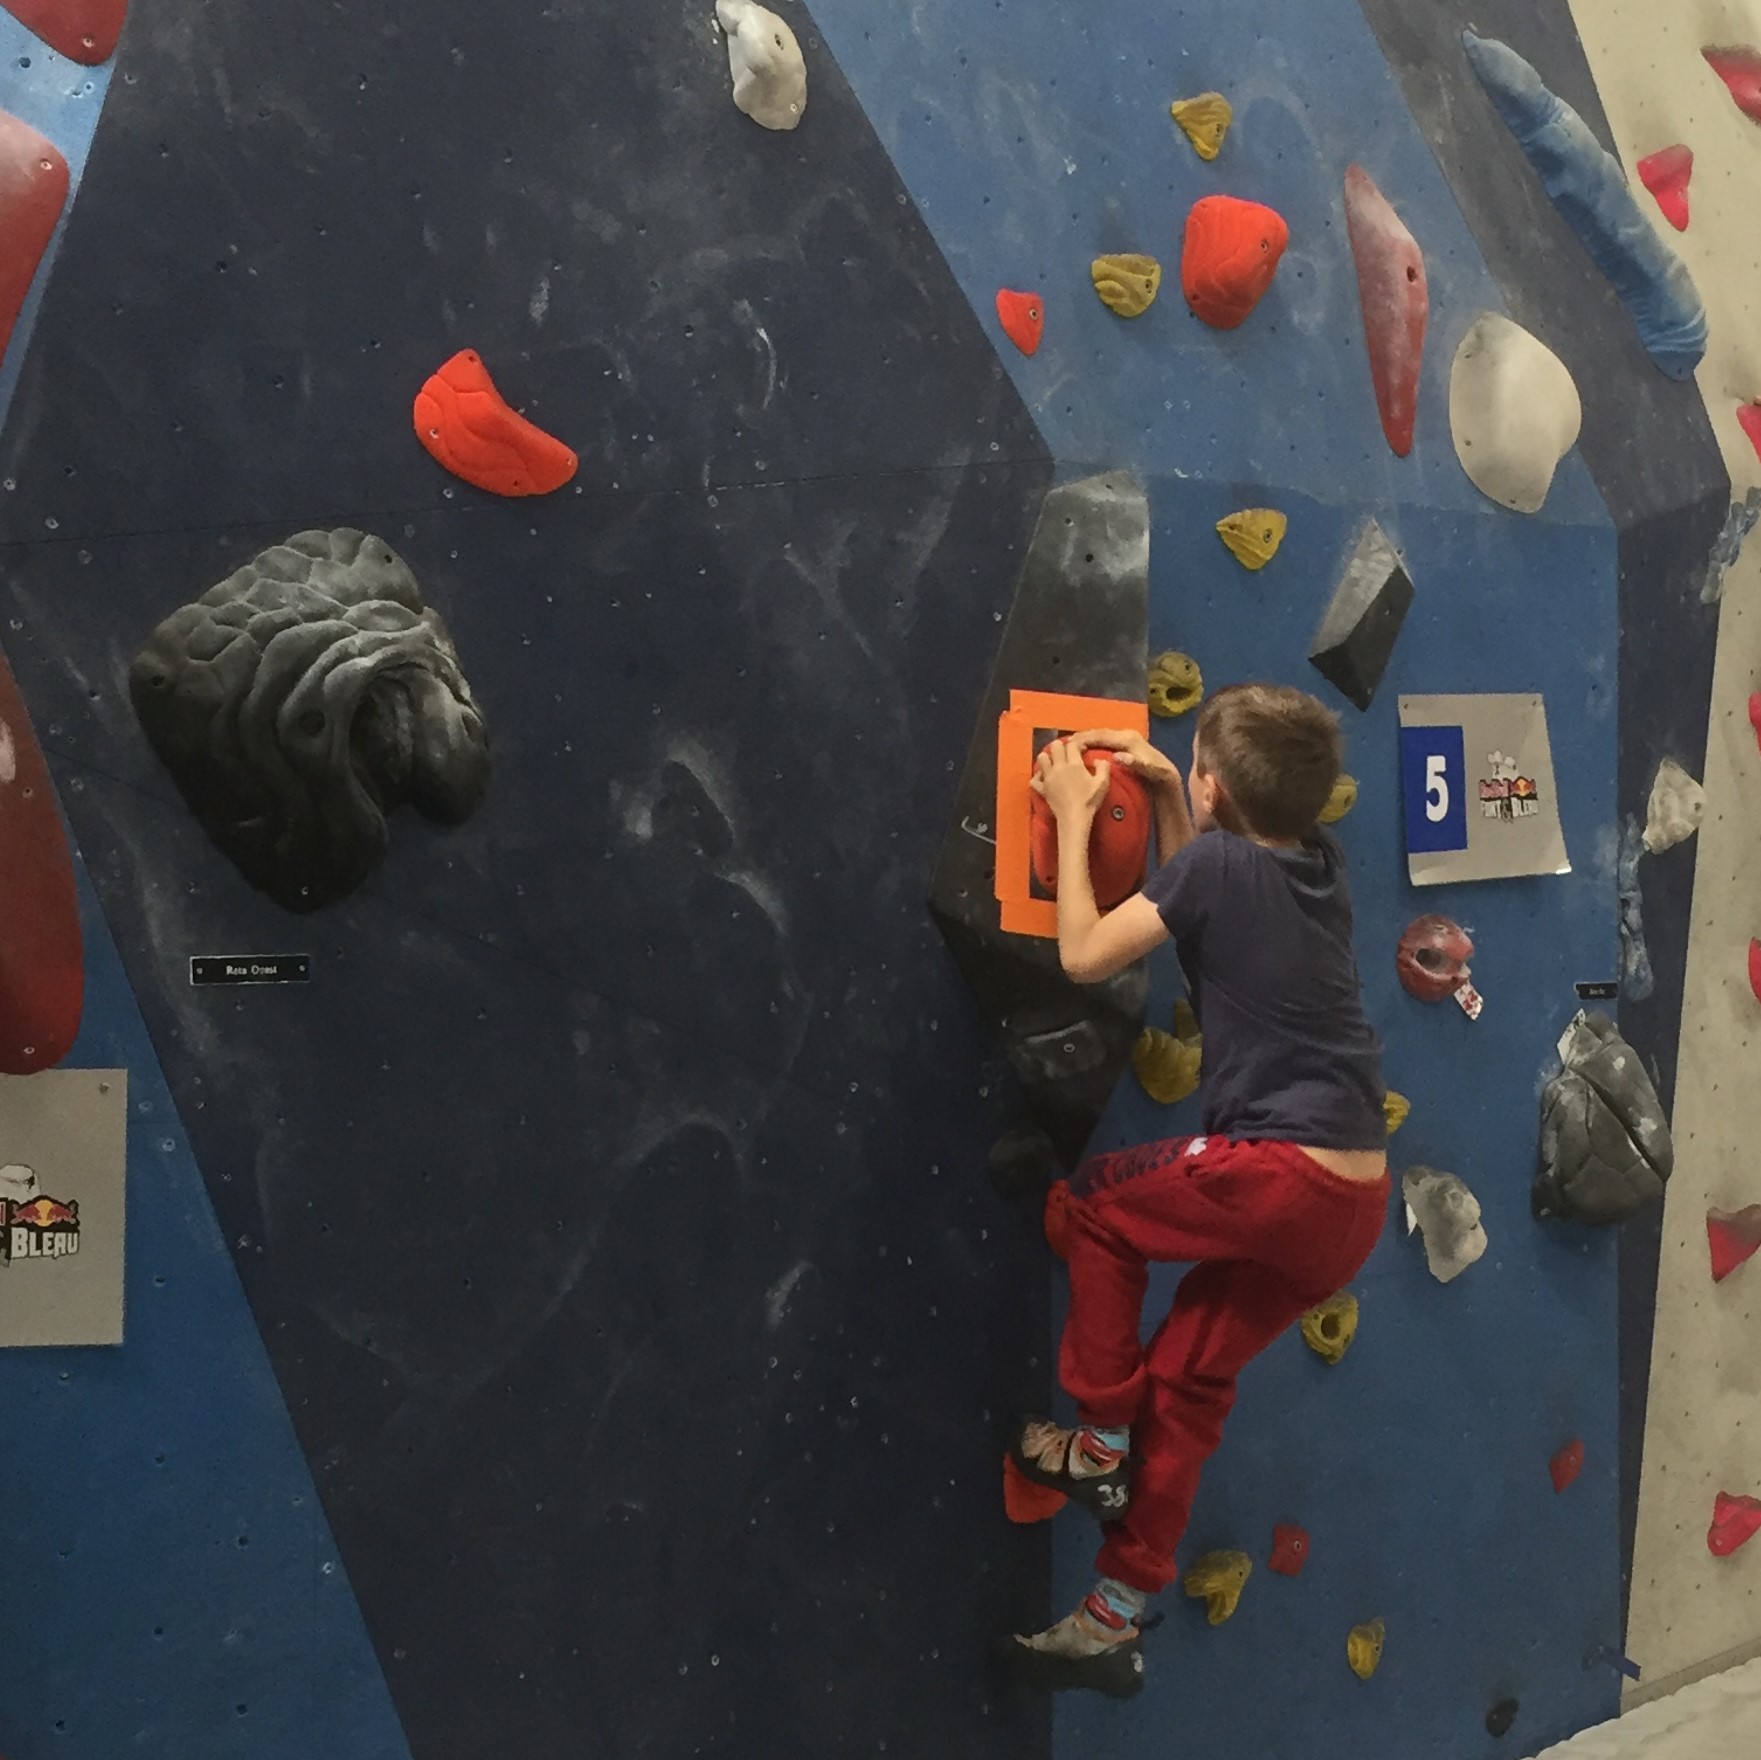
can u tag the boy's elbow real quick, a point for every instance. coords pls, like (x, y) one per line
(1081, 966)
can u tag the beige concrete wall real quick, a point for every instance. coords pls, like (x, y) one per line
(1720, 1719)
(1691, 1611)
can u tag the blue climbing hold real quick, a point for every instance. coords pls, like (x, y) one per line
(1590, 191)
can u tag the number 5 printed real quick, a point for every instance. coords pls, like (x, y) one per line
(1433, 787)
(1436, 787)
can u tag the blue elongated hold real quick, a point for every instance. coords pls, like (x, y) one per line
(1590, 191)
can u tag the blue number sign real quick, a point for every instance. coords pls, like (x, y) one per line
(1433, 785)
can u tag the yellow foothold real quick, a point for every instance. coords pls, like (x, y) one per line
(1253, 535)
(1127, 284)
(1363, 1649)
(1217, 1579)
(1176, 684)
(1340, 801)
(1329, 1329)
(1396, 1109)
(1166, 1065)
(1205, 121)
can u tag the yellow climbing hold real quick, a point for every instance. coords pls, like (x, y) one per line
(1329, 1329)
(1127, 284)
(1167, 1064)
(1253, 535)
(1205, 121)
(1217, 1579)
(1340, 801)
(1176, 684)
(1363, 1649)
(1396, 1109)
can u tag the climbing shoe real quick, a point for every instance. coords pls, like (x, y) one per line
(1076, 1462)
(1093, 1649)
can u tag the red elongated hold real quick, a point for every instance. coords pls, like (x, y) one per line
(1734, 1237)
(33, 191)
(1118, 846)
(1755, 967)
(1026, 1502)
(42, 957)
(1396, 302)
(467, 425)
(1566, 1465)
(1023, 317)
(1290, 1550)
(1666, 175)
(1740, 68)
(1749, 419)
(1735, 1522)
(1231, 253)
(1755, 722)
(82, 30)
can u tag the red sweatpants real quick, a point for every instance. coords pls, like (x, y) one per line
(1272, 1233)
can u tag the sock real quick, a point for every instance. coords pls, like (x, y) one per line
(1124, 1603)
(1117, 1438)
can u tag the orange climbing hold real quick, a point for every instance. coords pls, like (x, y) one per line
(1666, 175)
(82, 30)
(1735, 1522)
(467, 425)
(1740, 69)
(33, 190)
(1749, 420)
(1026, 1502)
(1566, 1465)
(1734, 1236)
(1231, 253)
(1023, 317)
(1118, 846)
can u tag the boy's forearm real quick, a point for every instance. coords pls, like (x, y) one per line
(1077, 911)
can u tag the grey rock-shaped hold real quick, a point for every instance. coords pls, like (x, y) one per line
(303, 698)
(1357, 635)
(1448, 1215)
(1605, 1144)
(1742, 519)
(1676, 807)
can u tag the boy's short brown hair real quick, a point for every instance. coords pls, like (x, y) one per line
(1276, 751)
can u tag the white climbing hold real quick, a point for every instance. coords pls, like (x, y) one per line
(1678, 804)
(1449, 1214)
(1513, 411)
(770, 76)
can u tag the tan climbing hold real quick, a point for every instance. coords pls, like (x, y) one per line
(1329, 1329)
(1396, 1109)
(1253, 535)
(1363, 1649)
(1204, 121)
(1340, 801)
(1127, 284)
(1168, 1064)
(1175, 685)
(1217, 1580)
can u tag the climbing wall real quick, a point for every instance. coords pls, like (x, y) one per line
(576, 1312)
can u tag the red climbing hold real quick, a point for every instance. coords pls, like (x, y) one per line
(33, 189)
(1118, 846)
(1666, 175)
(1056, 1220)
(1735, 1522)
(1566, 1465)
(1755, 967)
(1740, 69)
(1290, 1550)
(42, 958)
(82, 30)
(1023, 1500)
(1396, 303)
(1231, 253)
(1734, 1237)
(1749, 419)
(465, 422)
(1023, 317)
(1755, 722)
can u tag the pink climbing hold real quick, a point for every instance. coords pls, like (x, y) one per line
(1566, 1465)
(1755, 722)
(1734, 1237)
(1396, 303)
(1023, 317)
(1749, 419)
(1755, 967)
(1290, 1550)
(1666, 175)
(1740, 69)
(1735, 1522)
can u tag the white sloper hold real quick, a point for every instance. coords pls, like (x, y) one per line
(1513, 411)
(770, 76)
(1448, 1215)
(1678, 804)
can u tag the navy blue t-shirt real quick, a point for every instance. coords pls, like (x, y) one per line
(1264, 939)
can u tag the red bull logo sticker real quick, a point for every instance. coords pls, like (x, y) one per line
(36, 1228)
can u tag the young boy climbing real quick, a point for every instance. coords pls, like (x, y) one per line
(1276, 1206)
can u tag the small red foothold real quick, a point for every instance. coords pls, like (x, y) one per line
(1740, 69)
(1666, 176)
(1023, 317)
(1290, 1550)
(82, 30)
(1026, 1502)
(1057, 1218)
(1734, 1236)
(1566, 1465)
(1735, 1522)
(1749, 420)
(468, 426)
(33, 191)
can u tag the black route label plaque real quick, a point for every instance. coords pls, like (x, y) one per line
(250, 968)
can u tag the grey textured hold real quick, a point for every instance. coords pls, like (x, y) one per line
(1676, 807)
(1728, 546)
(1606, 1150)
(1636, 977)
(1351, 649)
(303, 698)
(1448, 1215)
